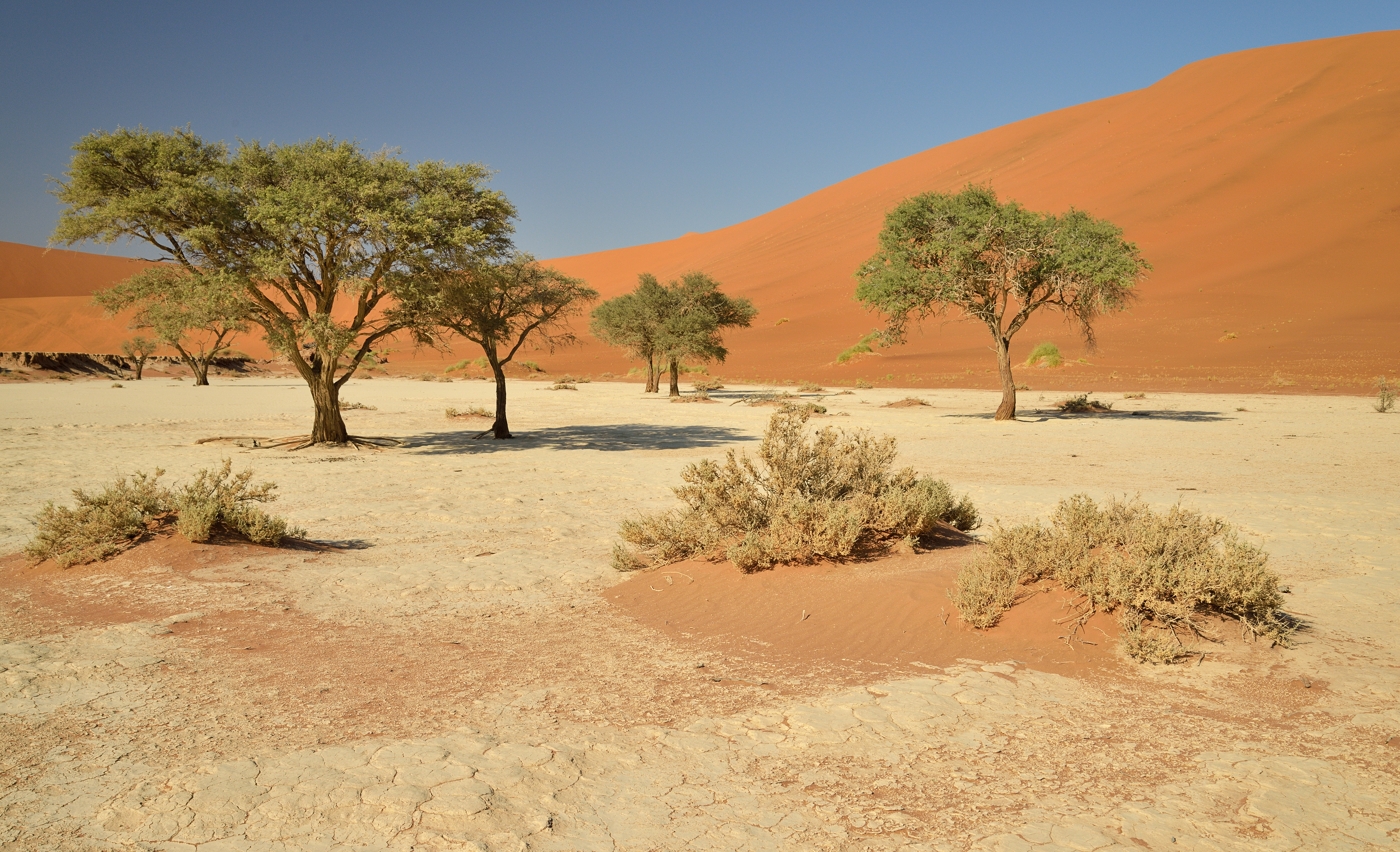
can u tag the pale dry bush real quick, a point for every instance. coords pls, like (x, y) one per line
(99, 525)
(806, 496)
(705, 383)
(104, 524)
(226, 501)
(1162, 571)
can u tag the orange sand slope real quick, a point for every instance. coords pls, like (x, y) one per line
(1263, 187)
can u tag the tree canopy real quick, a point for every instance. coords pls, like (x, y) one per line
(997, 263)
(328, 245)
(500, 303)
(196, 315)
(666, 324)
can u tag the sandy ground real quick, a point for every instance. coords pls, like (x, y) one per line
(453, 665)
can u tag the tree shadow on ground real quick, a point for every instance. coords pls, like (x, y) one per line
(613, 437)
(1042, 415)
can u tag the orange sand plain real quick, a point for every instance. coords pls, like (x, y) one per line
(1262, 186)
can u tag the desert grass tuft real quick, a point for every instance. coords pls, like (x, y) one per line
(706, 383)
(809, 387)
(864, 346)
(1045, 355)
(356, 406)
(1161, 571)
(907, 402)
(104, 524)
(863, 384)
(808, 495)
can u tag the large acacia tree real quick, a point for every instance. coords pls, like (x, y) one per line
(499, 304)
(327, 243)
(997, 263)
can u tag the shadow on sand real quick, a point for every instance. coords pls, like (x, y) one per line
(1042, 415)
(615, 437)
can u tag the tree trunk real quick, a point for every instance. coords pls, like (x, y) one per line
(651, 375)
(675, 377)
(500, 429)
(140, 365)
(329, 427)
(201, 371)
(1007, 409)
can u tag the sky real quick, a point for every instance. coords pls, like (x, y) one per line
(606, 124)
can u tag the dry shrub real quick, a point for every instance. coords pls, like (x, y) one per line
(807, 496)
(705, 383)
(225, 501)
(100, 525)
(563, 385)
(1161, 571)
(809, 387)
(1082, 404)
(863, 384)
(698, 396)
(1385, 396)
(907, 402)
(104, 524)
(356, 406)
(474, 411)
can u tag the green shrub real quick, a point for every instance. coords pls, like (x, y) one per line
(531, 366)
(1045, 355)
(864, 346)
(122, 514)
(1160, 571)
(806, 496)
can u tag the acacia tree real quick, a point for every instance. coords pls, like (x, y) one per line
(997, 263)
(501, 303)
(326, 242)
(139, 349)
(632, 322)
(696, 315)
(191, 314)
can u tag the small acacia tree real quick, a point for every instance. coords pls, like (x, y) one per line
(696, 315)
(632, 322)
(326, 242)
(997, 263)
(191, 314)
(139, 349)
(498, 305)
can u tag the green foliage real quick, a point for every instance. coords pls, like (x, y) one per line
(1046, 355)
(101, 525)
(139, 349)
(531, 366)
(997, 263)
(805, 497)
(299, 229)
(864, 346)
(197, 315)
(1160, 571)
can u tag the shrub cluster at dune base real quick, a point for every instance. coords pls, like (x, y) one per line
(1162, 572)
(806, 497)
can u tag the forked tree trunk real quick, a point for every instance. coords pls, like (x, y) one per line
(675, 377)
(1007, 409)
(198, 366)
(329, 426)
(500, 429)
(140, 365)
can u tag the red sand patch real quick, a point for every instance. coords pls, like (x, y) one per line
(891, 613)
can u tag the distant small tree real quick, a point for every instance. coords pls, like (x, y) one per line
(697, 314)
(500, 304)
(632, 322)
(191, 314)
(139, 349)
(999, 264)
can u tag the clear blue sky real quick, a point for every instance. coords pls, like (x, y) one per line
(607, 124)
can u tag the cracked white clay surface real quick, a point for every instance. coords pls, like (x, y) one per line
(207, 709)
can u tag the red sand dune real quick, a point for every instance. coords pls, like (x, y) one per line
(1263, 187)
